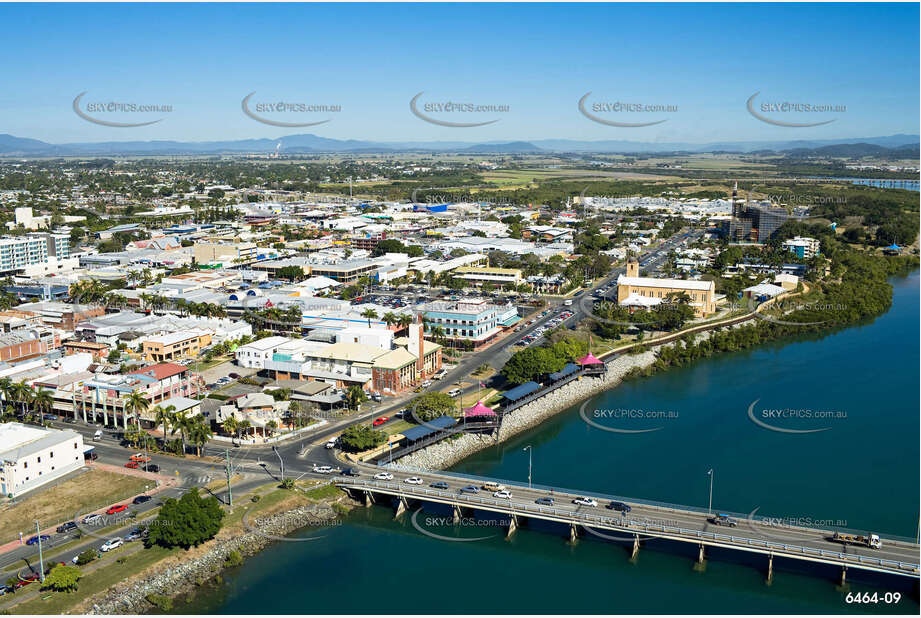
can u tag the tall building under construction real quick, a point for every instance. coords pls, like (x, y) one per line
(752, 222)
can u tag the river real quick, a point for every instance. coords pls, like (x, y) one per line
(859, 472)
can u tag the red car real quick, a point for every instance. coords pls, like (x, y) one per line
(118, 508)
(28, 579)
(132, 464)
(380, 420)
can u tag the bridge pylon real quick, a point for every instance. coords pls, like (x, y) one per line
(770, 573)
(402, 506)
(457, 514)
(573, 533)
(512, 526)
(636, 547)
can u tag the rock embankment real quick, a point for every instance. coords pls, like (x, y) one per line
(130, 596)
(448, 452)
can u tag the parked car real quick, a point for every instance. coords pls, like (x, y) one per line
(66, 527)
(34, 539)
(4, 590)
(235, 376)
(383, 476)
(90, 456)
(413, 480)
(140, 458)
(141, 499)
(135, 535)
(116, 508)
(439, 485)
(111, 544)
(25, 581)
(619, 506)
(470, 489)
(380, 420)
(133, 465)
(152, 468)
(545, 501)
(454, 392)
(92, 518)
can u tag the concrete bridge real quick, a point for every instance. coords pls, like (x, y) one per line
(646, 520)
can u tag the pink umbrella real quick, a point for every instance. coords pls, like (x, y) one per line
(478, 410)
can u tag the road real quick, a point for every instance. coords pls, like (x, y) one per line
(643, 519)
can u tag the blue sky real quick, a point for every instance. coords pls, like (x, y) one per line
(538, 59)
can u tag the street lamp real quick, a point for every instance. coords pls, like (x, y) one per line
(280, 462)
(529, 450)
(710, 504)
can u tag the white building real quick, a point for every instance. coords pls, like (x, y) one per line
(19, 252)
(254, 355)
(32, 456)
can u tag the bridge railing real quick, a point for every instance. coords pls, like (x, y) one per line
(632, 527)
(758, 523)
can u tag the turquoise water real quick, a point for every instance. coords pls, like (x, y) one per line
(862, 473)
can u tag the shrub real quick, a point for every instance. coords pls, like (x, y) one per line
(86, 557)
(234, 558)
(63, 578)
(161, 602)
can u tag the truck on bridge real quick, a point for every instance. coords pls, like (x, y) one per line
(870, 540)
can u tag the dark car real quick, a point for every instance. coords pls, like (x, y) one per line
(91, 456)
(351, 472)
(470, 489)
(67, 527)
(152, 468)
(545, 501)
(4, 590)
(619, 506)
(33, 540)
(439, 485)
(235, 376)
(141, 499)
(721, 519)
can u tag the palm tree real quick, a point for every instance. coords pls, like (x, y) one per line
(137, 404)
(390, 318)
(370, 314)
(404, 320)
(163, 416)
(354, 396)
(43, 402)
(22, 394)
(199, 433)
(271, 426)
(180, 423)
(231, 425)
(6, 389)
(243, 425)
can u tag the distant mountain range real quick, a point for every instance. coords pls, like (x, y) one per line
(892, 145)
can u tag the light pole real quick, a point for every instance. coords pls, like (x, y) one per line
(710, 504)
(281, 462)
(41, 560)
(529, 450)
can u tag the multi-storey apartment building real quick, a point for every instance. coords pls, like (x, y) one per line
(17, 253)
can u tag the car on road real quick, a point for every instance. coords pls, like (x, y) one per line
(91, 518)
(426, 384)
(380, 420)
(116, 508)
(133, 465)
(439, 485)
(721, 519)
(383, 476)
(454, 392)
(493, 486)
(152, 468)
(141, 499)
(33, 540)
(111, 544)
(351, 472)
(503, 493)
(619, 506)
(583, 501)
(234, 376)
(470, 489)
(414, 480)
(66, 527)
(545, 501)
(323, 469)
(135, 535)
(139, 457)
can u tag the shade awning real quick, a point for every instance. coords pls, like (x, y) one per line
(590, 359)
(478, 410)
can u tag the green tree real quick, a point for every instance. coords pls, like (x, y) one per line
(354, 396)
(62, 578)
(359, 438)
(189, 521)
(433, 405)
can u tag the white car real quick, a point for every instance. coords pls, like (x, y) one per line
(585, 501)
(503, 493)
(414, 480)
(111, 544)
(383, 476)
(323, 469)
